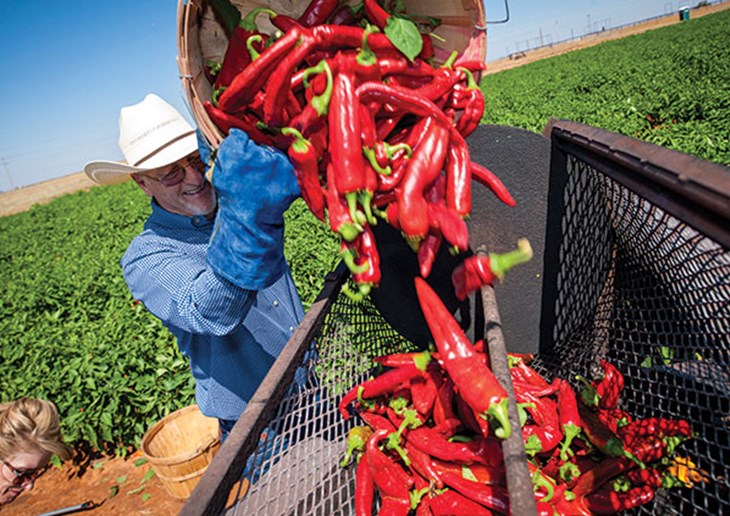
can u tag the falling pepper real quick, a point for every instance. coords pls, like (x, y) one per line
(476, 383)
(479, 270)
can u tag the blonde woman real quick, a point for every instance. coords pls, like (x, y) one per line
(30, 434)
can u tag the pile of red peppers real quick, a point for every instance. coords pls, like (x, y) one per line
(372, 134)
(430, 442)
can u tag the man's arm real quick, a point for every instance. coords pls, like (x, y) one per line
(181, 290)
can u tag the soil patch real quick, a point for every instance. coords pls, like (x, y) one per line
(120, 485)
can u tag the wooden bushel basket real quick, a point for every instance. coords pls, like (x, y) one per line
(202, 38)
(179, 447)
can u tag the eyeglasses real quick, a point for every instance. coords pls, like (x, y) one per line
(23, 476)
(177, 174)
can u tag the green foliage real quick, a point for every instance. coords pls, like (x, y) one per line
(71, 332)
(667, 86)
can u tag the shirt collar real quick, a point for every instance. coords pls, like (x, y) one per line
(167, 218)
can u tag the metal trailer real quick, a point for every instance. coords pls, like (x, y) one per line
(631, 264)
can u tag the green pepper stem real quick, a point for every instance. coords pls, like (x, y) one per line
(321, 102)
(249, 22)
(501, 263)
(370, 155)
(249, 46)
(497, 412)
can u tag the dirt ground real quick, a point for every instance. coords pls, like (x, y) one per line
(137, 492)
(116, 486)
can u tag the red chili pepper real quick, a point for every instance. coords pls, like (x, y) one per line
(519, 369)
(377, 421)
(317, 12)
(569, 416)
(386, 383)
(306, 168)
(394, 506)
(480, 450)
(226, 122)
(337, 210)
(650, 477)
(375, 13)
(401, 99)
(451, 503)
(427, 251)
(655, 426)
(547, 428)
(479, 270)
(420, 359)
(486, 177)
(422, 170)
(364, 488)
(443, 408)
(475, 381)
(610, 387)
(608, 501)
(285, 23)
(423, 394)
(247, 83)
(345, 141)
(367, 252)
(602, 437)
(614, 418)
(421, 463)
(278, 85)
(388, 475)
(343, 15)
(458, 175)
(447, 223)
(237, 56)
(473, 106)
(495, 498)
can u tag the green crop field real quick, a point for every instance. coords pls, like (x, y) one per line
(669, 86)
(70, 331)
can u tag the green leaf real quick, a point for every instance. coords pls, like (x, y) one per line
(121, 480)
(150, 473)
(98, 464)
(136, 490)
(139, 462)
(405, 36)
(113, 491)
(146, 496)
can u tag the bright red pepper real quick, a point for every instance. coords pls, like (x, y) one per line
(422, 170)
(306, 168)
(317, 12)
(443, 409)
(364, 488)
(451, 503)
(386, 383)
(569, 416)
(473, 102)
(608, 501)
(486, 177)
(225, 122)
(388, 475)
(610, 387)
(375, 13)
(337, 210)
(427, 251)
(654, 426)
(495, 498)
(237, 56)
(246, 84)
(458, 175)
(475, 381)
(601, 436)
(368, 254)
(479, 270)
(401, 99)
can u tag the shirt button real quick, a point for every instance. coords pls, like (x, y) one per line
(276, 303)
(291, 328)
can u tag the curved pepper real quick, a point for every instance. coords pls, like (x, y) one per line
(304, 159)
(478, 270)
(317, 12)
(386, 383)
(569, 416)
(475, 381)
(486, 177)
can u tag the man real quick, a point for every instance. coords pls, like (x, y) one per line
(209, 262)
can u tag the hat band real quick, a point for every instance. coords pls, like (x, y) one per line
(160, 149)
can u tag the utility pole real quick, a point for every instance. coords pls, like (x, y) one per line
(7, 172)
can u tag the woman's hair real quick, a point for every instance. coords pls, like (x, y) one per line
(28, 424)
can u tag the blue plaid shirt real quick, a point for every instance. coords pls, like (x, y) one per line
(230, 335)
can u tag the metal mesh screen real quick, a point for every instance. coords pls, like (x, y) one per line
(302, 448)
(640, 288)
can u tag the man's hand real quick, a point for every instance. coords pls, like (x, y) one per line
(255, 185)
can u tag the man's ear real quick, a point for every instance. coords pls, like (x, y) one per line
(143, 183)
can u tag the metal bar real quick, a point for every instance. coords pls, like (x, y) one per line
(693, 190)
(211, 494)
(519, 482)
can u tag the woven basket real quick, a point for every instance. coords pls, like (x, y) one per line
(202, 38)
(179, 447)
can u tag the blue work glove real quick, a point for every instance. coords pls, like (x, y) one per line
(255, 185)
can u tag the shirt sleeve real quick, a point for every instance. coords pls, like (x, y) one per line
(182, 290)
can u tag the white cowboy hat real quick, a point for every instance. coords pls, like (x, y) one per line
(152, 134)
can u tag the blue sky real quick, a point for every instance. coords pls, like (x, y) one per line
(68, 67)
